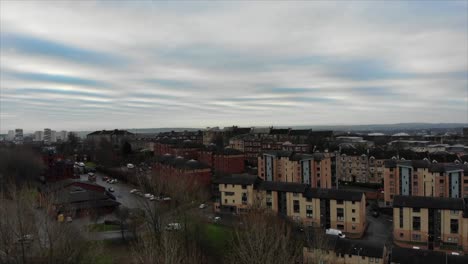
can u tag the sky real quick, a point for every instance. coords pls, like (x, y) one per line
(88, 65)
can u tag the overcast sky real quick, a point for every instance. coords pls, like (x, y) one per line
(84, 65)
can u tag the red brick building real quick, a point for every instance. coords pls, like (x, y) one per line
(226, 161)
(184, 148)
(56, 167)
(178, 168)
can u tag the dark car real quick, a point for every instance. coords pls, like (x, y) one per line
(375, 213)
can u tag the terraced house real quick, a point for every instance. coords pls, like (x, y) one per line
(326, 208)
(432, 223)
(423, 178)
(287, 166)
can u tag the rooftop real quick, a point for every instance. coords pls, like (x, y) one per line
(419, 256)
(428, 202)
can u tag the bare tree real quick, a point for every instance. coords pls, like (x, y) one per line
(264, 238)
(317, 247)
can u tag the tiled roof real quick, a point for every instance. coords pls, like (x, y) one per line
(335, 194)
(359, 247)
(428, 202)
(243, 179)
(420, 256)
(283, 186)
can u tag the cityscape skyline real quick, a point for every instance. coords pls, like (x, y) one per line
(97, 65)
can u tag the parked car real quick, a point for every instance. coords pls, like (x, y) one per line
(133, 191)
(148, 195)
(105, 178)
(69, 219)
(130, 166)
(153, 198)
(202, 206)
(111, 189)
(217, 219)
(166, 199)
(173, 226)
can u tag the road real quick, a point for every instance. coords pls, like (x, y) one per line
(122, 191)
(379, 229)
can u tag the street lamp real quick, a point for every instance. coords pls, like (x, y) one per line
(358, 254)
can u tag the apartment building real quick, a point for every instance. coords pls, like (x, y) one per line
(185, 148)
(325, 208)
(360, 168)
(224, 160)
(172, 167)
(288, 166)
(432, 223)
(332, 249)
(423, 178)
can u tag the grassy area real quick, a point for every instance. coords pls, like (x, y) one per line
(102, 227)
(90, 164)
(217, 237)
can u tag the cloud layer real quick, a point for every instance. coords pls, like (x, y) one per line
(93, 65)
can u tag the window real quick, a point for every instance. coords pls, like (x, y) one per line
(296, 207)
(416, 210)
(353, 202)
(225, 201)
(225, 185)
(416, 237)
(416, 223)
(244, 198)
(268, 192)
(454, 212)
(454, 226)
(340, 227)
(340, 214)
(268, 202)
(233, 185)
(309, 211)
(229, 193)
(295, 194)
(339, 201)
(353, 219)
(244, 186)
(353, 211)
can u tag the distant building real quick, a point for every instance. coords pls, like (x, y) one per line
(465, 131)
(11, 135)
(116, 137)
(38, 136)
(359, 168)
(18, 136)
(176, 168)
(287, 166)
(223, 160)
(47, 136)
(62, 136)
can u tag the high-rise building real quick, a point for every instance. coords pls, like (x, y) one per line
(47, 135)
(38, 136)
(62, 136)
(18, 136)
(53, 136)
(11, 135)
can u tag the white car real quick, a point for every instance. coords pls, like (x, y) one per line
(130, 166)
(166, 199)
(202, 206)
(153, 198)
(111, 189)
(217, 219)
(133, 190)
(148, 195)
(69, 219)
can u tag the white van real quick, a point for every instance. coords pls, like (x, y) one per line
(335, 232)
